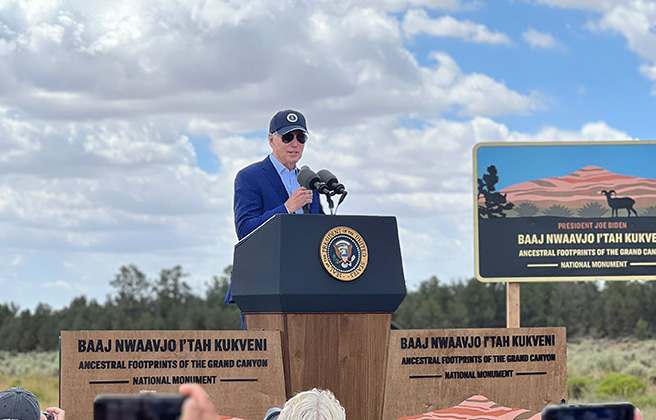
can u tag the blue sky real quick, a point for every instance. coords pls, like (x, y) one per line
(583, 77)
(516, 164)
(205, 159)
(124, 123)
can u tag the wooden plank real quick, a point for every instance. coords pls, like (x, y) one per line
(512, 305)
(273, 322)
(343, 352)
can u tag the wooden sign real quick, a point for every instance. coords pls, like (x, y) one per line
(241, 370)
(565, 211)
(428, 370)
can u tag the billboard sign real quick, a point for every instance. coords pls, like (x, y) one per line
(565, 211)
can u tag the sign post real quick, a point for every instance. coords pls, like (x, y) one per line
(512, 305)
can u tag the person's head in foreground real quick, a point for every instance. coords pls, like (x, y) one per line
(20, 404)
(315, 404)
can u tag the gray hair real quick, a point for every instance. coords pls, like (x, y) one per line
(315, 404)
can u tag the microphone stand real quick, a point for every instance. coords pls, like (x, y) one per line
(340, 200)
(330, 203)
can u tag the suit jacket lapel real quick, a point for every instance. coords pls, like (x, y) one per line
(274, 179)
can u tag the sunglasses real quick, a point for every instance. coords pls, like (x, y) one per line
(287, 138)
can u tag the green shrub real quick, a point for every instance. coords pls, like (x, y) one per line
(30, 363)
(579, 386)
(651, 376)
(643, 401)
(641, 329)
(620, 384)
(636, 369)
(609, 361)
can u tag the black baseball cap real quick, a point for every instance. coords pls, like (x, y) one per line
(288, 120)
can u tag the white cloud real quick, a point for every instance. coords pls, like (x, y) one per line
(538, 39)
(59, 284)
(635, 20)
(400, 5)
(100, 102)
(594, 131)
(136, 59)
(598, 5)
(474, 94)
(157, 214)
(417, 21)
(430, 187)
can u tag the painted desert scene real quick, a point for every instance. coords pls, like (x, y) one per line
(591, 191)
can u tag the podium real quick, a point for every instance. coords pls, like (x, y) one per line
(330, 284)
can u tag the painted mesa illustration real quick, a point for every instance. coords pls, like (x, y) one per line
(590, 192)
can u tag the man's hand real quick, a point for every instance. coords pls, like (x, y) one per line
(198, 405)
(58, 413)
(298, 199)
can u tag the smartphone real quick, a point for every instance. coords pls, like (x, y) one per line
(146, 406)
(612, 411)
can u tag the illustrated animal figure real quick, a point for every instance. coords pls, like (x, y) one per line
(619, 203)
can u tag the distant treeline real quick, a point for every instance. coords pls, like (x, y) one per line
(595, 309)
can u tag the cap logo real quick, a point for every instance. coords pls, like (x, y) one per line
(292, 118)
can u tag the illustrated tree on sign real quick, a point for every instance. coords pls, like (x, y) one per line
(495, 202)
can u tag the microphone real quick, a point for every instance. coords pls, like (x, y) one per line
(310, 180)
(331, 181)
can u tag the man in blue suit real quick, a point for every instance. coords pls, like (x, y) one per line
(269, 187)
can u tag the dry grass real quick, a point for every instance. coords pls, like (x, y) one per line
(37, 372)
(598, 357)
(46, 389)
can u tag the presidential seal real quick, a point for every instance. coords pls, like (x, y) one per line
(343, 253)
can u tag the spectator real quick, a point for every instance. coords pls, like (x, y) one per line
(315, 404)
(20, 404)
